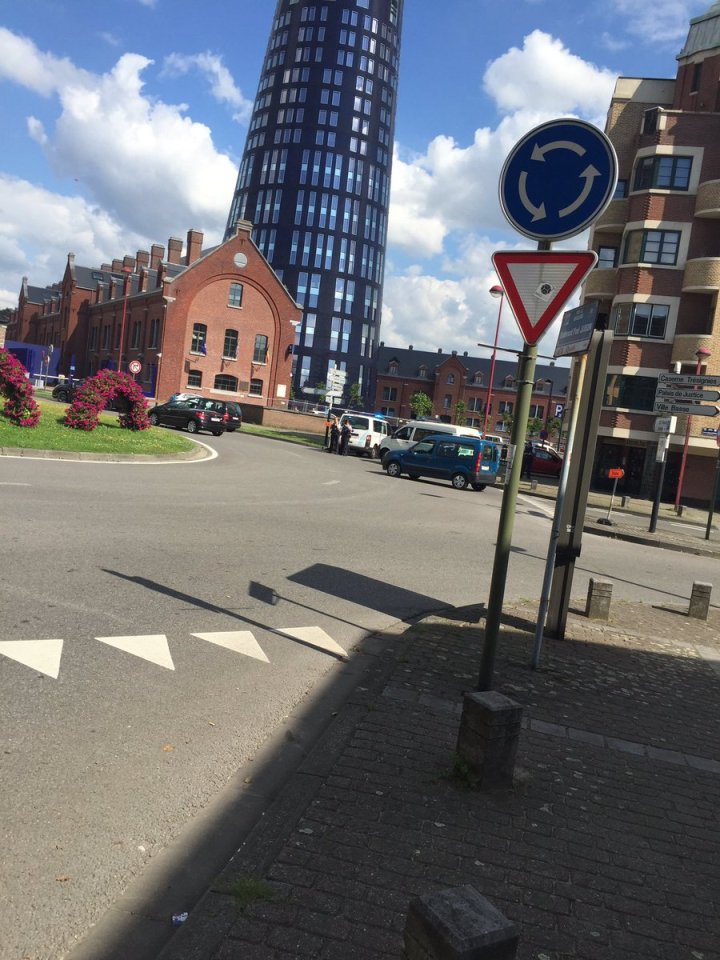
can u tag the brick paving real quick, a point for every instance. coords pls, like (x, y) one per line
(606, 848)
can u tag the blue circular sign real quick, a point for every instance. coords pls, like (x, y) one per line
(558, 179)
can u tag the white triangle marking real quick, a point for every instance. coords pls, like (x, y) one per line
(315, 636)
(42, 655)
(241, 641)
(153, 647)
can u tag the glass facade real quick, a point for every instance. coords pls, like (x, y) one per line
(314, 179)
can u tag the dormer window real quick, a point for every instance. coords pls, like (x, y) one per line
(422, 373)
(393, 367)
(450, 378)
(478, 378)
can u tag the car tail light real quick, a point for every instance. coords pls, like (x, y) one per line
(367, 440)
(478, 461)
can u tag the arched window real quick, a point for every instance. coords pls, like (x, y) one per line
(261, 349)
(199, 339)
(225, 382)
(393, 368)
(478, 378)
(230, 345)
(450, 378)
(235, 295)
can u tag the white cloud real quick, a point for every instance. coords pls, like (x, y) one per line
(663, 22)
(23, 63)
(222, 85)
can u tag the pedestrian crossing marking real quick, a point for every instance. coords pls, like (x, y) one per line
(153, 647)
(315, 637)
(42, 655)
(241, 641)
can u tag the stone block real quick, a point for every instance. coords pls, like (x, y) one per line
(488, 737)
(597, 606)
(458, 924)
(700, 600)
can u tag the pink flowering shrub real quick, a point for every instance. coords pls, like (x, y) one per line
(20, 405)
(90, 400)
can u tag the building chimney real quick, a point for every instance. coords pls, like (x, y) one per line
(143, 280)
(454, 353)
(174, 250)
(129, 261)
(99, 293)
(142, 259)
(106, 267)
(113, 288)
(439, 349)
(157, 252)
(117, 265)
(410, 347)
(71, 261)
(194, 246)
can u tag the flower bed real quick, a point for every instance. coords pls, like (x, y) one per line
(83, 413)
(20, 406)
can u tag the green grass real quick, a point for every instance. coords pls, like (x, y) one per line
(107, 437)
(247, 891)
(290, 436)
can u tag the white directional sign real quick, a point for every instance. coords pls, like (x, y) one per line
(686, 396)
(694, 409)
(683, 380)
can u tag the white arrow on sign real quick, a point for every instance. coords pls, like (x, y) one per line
(686, 396)
(688, 380)
(694, 409)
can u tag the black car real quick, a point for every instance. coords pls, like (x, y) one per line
(65, 391)
(193, 415)
(234, 420)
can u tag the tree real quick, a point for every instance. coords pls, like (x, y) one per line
(355, 398)
(421, 404)
(534, 426)
(553, 426)
(460, 412)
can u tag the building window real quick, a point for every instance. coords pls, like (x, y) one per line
(621, 190)
(536, 410)
(199, 339)
(256, 388)
(389, 393)
(235, 295)
(230, 346)
(423, 373)
(650, 120)
(505, 406)
(478, 378)
(607, 258)
(447, 401)
(135, 337)
(663, 173)
(697, 74)
(261, 349)
(194, 378)
(154, 332)
(630, 391)
(652, 246)
(641, 320)
(450, 378)
(393, 368)
(225, 382)
(475, 405)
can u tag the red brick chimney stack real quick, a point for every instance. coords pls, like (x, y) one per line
(194, 246)
(174, 250)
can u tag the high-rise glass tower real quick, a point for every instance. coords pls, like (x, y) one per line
(315, 174)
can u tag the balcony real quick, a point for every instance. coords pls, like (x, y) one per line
(707, 204)
(601, 283)
(614, 217)
(702, 275)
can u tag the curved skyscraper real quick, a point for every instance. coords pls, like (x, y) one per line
(315, 174)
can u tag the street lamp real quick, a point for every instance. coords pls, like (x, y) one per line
(499, 294)
(127, 271)
(702, 355)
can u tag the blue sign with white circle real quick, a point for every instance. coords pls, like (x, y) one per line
(558, 179)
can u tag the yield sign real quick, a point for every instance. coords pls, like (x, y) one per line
(539, 283)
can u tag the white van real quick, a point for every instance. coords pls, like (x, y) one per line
(368, 433)
(415, 430)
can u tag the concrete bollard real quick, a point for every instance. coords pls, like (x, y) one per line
(488, 737)
(700, 600)
(599, 596)
(458, 924)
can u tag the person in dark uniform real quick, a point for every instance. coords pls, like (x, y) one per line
(345, 434)
(334, 436)
(527, 462)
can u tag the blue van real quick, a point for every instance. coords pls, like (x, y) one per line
(464, 461)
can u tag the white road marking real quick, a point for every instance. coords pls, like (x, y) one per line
(153, 647)
(315, 636)
(42, 655)
(10, 483)
(241, 641)
(329, 483)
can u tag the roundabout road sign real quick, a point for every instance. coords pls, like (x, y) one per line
(558, 179)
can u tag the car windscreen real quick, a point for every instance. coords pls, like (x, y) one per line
(357, 423)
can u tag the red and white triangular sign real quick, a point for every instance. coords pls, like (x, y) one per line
(538, 284)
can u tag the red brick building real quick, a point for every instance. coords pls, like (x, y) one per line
(217, 322)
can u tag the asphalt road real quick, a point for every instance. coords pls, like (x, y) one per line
(160, 622)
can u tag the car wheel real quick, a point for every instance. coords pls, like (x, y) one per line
(153, 419)
(192, 426)
(375, 453)
(459, 481)
(218, 433)
(393, 469)
(479, 486)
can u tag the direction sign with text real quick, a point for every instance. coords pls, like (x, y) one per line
(539, 283)
(558, 179)
(686, 396)
(688, 380)
(694, 409)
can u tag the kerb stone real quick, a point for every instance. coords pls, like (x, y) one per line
(700, 600)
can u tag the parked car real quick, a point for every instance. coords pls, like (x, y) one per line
(415, 430)
(234, 420)
(65, 390)
(546, 460)
(192, 415)
(461, 460)
(368, 432)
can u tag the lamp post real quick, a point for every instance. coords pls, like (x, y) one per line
(702, 355)
(499, 294)
(127, 271)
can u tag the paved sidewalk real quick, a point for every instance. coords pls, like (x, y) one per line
(606, 847)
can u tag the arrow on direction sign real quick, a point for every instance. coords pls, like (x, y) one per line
(694, 409)
(686, 396)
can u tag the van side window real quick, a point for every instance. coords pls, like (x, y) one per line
(420, 433)
(402, 434)
(425, 447)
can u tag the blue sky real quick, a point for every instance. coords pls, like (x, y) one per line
(124, 121)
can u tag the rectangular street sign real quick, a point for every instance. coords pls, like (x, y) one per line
(694, 409)
(686, 396)
(576, 329)
(688, 380)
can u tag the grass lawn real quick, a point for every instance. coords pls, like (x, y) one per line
(107, 437)
(290, 436)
